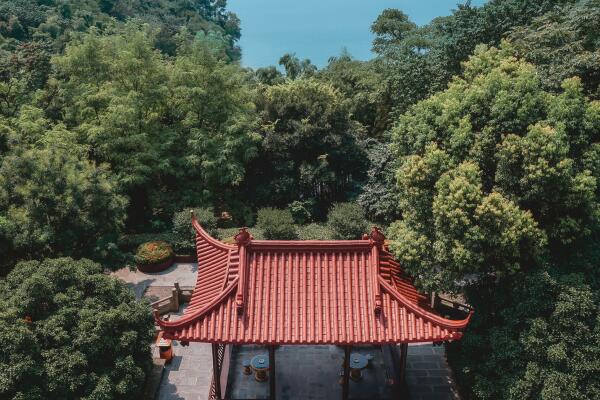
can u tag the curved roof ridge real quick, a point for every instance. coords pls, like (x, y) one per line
(391, 270)
(186, 318)
(200, 232)
(436, 319)
(214, 267)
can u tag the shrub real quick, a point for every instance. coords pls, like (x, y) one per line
(302, 211)
(315, 232)
(129, 243)
(108, 253)
(347, 221)
(183, 232)
(154, 253)
(276, 224)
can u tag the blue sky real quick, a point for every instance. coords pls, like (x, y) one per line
(319, 29)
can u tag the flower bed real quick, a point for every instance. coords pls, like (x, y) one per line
(154, 256)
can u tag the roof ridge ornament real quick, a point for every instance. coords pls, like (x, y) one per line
(243, 237)
(377, 241)
(377, 236)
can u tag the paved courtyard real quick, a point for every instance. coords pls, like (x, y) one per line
(189, 375)
(309, 373)
(184, 273)
(306, 372)
(427, 374)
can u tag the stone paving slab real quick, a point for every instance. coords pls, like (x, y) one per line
(189, 375)
(428, 376)
(306, 372)
(309, 373)
(184, 273)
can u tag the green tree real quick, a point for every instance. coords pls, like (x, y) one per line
(22, 72)
(276, 224)
(564, 43)
(390, 28)
(501, 141)
(88, 336)
(269, 75)
(184, 235)
(115, 88)
(359, 82)
(174, 131)
(497, 187)
(531, 338)
(219, 124)
(52, 200)
(56, 22)
(416, 62)
(379, 198)
(296, 68)
(310, 147)
(347, 221)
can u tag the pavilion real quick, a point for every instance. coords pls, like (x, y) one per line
(271, 292)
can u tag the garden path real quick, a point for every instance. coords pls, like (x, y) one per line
(184, 273)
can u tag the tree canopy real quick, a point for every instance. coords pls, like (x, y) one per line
(310, 146)
(493, 173)
(496, 185)
(57, 22)
(88, 337)
(53, 201)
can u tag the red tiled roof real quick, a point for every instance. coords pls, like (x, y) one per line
(305, 292)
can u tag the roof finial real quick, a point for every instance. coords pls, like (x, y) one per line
(377, 236)
(243, 237)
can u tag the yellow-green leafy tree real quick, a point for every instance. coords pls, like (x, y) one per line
(497, 183)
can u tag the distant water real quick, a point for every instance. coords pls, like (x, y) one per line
(319, 29)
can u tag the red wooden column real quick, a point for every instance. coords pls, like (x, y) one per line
(345, 379)
(272, 372)
(216, 370)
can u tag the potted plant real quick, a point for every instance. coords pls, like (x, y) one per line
(154, 256)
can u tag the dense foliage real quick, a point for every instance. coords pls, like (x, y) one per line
(88, 336)
(537, 337)
(276, 224)
(53, 201)
(497, 181)
(162, 124)
(476, 136)
(56, 22)
(183, 237)
(564, 43)
(310, 146)
(346, 221)
(495, 172)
